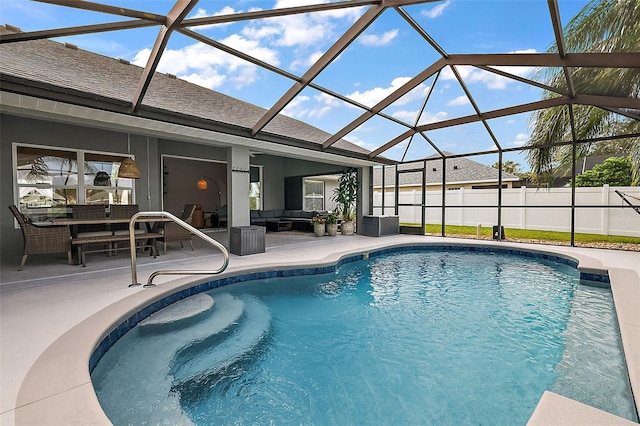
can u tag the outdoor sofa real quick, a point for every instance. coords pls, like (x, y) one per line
(300, 219)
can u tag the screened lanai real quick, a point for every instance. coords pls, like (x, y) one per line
(376, 83)
(432, 102)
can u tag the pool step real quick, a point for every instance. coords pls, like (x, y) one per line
(219, 351)
(181, 310)
(153, 359)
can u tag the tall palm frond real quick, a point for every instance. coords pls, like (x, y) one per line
(39, 170)
(602, 26)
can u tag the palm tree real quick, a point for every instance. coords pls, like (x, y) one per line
(601, 26)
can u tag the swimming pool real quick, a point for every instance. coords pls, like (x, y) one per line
(466, 338)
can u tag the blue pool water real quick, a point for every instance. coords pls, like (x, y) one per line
(408, 338)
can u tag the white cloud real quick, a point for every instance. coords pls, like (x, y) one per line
(460, 100)
(492, 81)
(209, 67)
(202, 13)
(405, 115)
(301, 29)
(319, 112)
(256, 33)
(328, 100)
(357, 141)
(378, 40)
(521, 139)
(436, 11)
(262, 39)
(473, 75)
(306, 62)
(428, 118)
(295, 108)
(298, 109)
(375, 95)
(209, 79)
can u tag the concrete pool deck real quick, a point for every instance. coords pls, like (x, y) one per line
(53, 316)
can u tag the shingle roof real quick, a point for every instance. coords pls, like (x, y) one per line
(45, 62)
(459, 170)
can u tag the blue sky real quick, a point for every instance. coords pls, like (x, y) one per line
(385, 56)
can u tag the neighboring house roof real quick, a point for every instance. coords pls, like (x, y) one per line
(460, 170)
(108, 83)
(562, 177)
(587, 163)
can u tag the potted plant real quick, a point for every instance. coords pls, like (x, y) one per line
(318, 225)
(332, 224)
(345, 196)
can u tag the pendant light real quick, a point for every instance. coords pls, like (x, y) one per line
(102, 179)
(129, 168)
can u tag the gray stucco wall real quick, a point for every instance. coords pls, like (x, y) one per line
(23, 130)
(148, 152)
(272, 180)
(304, 168)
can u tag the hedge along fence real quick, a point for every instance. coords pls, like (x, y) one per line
(525, 208)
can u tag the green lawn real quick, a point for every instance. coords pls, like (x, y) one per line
(528, 234)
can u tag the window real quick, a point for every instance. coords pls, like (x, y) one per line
(49, 179)
(313, 195)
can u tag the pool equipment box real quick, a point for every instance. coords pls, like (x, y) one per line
(245, 240)
(376, 226)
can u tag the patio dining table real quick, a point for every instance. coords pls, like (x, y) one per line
(151, 223)
(73, 223)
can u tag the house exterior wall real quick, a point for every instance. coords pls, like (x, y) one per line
(148, 153)
(272, 180)
(24, 130)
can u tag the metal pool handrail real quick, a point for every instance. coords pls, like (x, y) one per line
(134, 273)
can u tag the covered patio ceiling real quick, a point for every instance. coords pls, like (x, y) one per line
(398, 136)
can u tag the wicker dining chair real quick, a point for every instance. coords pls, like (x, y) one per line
(172, 232)
(124, 211)
(42, 239)
(92, 211)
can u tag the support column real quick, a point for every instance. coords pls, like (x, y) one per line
(363, 200)
(238, 185)
(604, 223)
(523, 207)
(461, 205)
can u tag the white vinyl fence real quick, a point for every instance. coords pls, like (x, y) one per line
(525, 214)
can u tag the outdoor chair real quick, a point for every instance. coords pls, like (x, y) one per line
(123, 211)
(91, 211)
(42, 239)
(172, 232)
